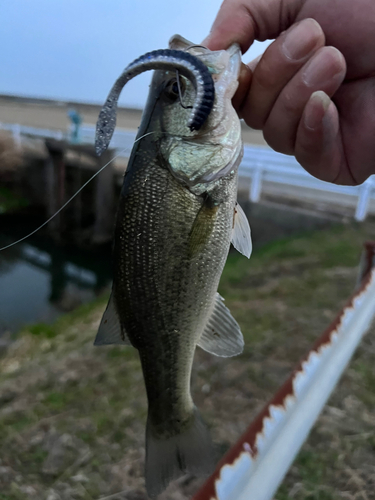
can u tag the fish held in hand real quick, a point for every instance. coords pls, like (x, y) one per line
(177, 216)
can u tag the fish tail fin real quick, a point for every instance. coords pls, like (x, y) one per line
(191, 451)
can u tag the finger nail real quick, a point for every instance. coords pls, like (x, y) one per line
(323, 67)
(206, 40)
(301, 39)
(253, 64)
(316, 109)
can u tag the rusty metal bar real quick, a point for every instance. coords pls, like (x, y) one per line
(256, 465)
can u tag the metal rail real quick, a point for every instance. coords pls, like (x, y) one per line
(256, 465)
(259, 164)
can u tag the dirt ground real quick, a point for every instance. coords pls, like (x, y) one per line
(44, 113)
(72, 416)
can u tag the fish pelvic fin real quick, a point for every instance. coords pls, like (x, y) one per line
(110, 330)
(241, 235)
(222, 335)
(191, 451)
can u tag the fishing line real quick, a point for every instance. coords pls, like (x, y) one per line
(72, 198)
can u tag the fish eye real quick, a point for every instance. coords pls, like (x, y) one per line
(171, 88)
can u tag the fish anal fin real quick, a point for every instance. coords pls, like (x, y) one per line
(222, 335)
(110, 331)
(241, 235)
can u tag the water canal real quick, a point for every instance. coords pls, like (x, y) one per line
(39, 279)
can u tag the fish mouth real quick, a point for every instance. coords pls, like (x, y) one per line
(224, 65)
(217, 149)
(184, 62)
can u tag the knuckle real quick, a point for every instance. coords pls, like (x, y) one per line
(253, 115)
(278, 138)
(265, 74)
(254, 121)
(290, 104)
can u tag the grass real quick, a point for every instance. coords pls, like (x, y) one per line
(62, 397)
(9, 201)
(79, 315)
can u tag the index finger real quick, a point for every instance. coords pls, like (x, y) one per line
(243, 21)
(233, 24)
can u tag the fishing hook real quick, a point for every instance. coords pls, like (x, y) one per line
(179, 91)
(194, 46)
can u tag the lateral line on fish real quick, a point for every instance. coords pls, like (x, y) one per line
(71, 198)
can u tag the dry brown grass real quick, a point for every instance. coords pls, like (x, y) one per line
(72, 416)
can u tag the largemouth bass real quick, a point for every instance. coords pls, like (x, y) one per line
(177, 215)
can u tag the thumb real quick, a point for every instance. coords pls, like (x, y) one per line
(243, 21)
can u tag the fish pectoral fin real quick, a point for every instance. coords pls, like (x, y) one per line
(110, 331)
(222, 335)
(202, 227)
(241, 235)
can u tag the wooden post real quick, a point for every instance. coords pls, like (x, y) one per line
(55, 180)
(51, 201)
(78, 200)
(103, 227)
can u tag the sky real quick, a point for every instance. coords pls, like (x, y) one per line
(75, 49)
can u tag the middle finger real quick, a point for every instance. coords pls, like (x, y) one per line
(280, 62)
(325, 71)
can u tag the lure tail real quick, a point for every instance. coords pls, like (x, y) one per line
(166, 459)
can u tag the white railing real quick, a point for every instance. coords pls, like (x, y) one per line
(21, 130)
(259, 164)
(255, 466)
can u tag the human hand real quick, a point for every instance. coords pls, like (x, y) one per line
(312, 92)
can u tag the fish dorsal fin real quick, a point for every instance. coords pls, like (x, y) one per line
(222, 335)
(241, 235)
(110, 331)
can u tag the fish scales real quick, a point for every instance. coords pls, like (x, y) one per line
(176, 218)
(164, 294)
